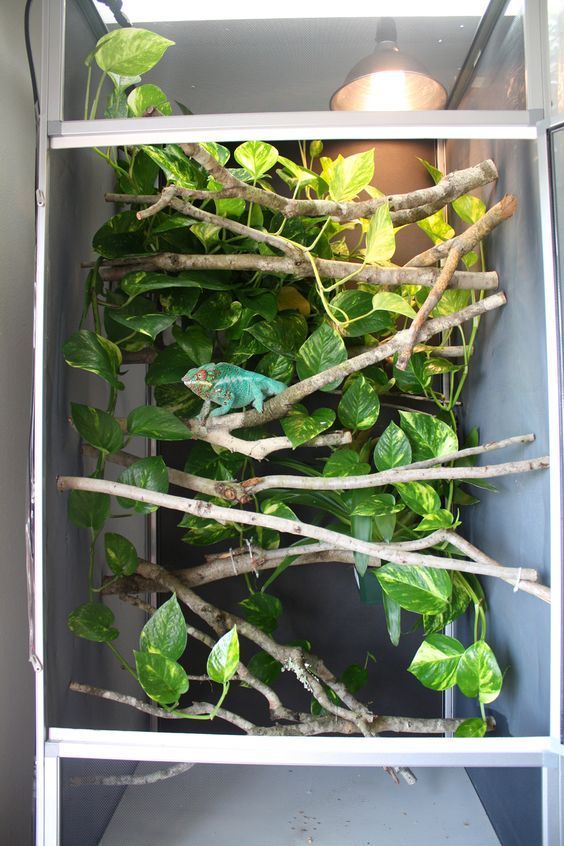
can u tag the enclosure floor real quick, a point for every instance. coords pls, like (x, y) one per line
(300, 806)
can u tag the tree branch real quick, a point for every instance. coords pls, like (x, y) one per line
(532, 587)
(432, 300)
(276, 708)
(197, 709)
(279, 405)
(405, 208)
(467, 452)
(308, 725)
(231, 491)
(307, 668)
(130, 780)
(457, 247)
(466, 241)
(232, 515)
(395, 476)
(292, 658)
(283, 244)
(263, 447)
(114, 270)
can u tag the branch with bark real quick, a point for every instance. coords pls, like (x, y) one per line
(241, 492)
(404, 208)
(457, 247)
(113, 270)
(209, 510)
(279, 405)
(307, 726)
(237, 562)
(465, 242)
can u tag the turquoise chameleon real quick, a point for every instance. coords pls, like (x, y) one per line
(230, 387)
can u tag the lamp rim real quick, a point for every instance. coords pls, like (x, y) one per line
(422, 73)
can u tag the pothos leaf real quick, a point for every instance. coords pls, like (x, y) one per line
(224, 658)
(419, 589)
(380, 237)
(301, 426)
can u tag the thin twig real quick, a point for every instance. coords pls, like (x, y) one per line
(196, 709)
(467, 452)
(234, 226)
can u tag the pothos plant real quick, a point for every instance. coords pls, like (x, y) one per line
(284, 268)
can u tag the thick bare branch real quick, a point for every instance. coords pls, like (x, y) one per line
(395, 476)
(279, 405)
(519, 583)
(405, 208)
(307, 726)
(114, 270)
(231, 491)
(470, 237)
(435, 294)
(226, 515)
(236, 562)
(260, 449)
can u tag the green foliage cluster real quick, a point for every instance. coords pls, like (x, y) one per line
(287, 329)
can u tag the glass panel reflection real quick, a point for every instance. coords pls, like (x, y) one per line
(556, 44)
(255, 64)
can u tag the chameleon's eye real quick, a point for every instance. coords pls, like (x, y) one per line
(201, 375)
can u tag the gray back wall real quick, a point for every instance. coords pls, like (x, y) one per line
(17, 142)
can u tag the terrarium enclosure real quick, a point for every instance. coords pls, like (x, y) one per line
(508, 793)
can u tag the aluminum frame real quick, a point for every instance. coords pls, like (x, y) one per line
(55, 133)
(284, 126)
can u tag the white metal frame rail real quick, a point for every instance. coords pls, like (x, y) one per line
(54, 744)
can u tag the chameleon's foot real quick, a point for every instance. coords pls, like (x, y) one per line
(204, 413)
(258, 401)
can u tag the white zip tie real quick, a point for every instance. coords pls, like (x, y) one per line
(518, 582)
(251, 558)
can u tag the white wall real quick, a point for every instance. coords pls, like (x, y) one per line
(17, 142)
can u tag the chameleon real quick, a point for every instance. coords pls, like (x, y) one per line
(230, 387)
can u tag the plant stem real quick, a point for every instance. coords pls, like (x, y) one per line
(125, 664)
(97, 97)
(87, 95)
(91, 565)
